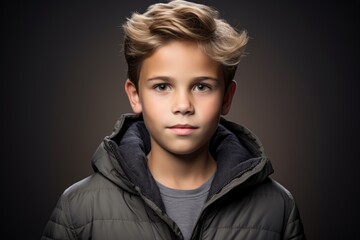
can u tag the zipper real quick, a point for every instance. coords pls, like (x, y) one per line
(237, 181)
(215, 197)
(151, 204)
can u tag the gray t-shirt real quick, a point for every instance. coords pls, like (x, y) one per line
(184, 206)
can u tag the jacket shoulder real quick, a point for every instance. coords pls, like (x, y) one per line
(97, 198)
(279, 199)
(89, 204)
(293, 226)
(89, 185)
(275, 188)
(277, 196)
(267, 209)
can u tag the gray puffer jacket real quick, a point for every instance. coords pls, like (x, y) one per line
(121, 200)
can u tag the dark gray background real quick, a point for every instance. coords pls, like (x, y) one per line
(62, 91)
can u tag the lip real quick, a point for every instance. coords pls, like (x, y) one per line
(182, 129)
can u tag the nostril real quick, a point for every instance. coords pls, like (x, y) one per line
(182, 103)
(184, 109)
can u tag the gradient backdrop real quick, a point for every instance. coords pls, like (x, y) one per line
(62, 91)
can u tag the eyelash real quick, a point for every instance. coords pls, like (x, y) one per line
(162, 85)
(165, 86)
(207, 87)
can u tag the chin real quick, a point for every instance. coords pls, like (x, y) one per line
(184, 151)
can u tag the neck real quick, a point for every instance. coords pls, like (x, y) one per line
(184, 172)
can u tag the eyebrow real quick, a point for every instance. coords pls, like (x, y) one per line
(159, 78)
(165, 78)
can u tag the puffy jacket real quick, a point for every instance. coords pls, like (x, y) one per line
(121, 199)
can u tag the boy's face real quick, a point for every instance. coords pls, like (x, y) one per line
(181, 97)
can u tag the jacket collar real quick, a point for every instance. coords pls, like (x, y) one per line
(122, 158)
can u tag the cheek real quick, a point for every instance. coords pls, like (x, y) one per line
(209, 113)
(147, 101)
(153, 107)
(210, 105)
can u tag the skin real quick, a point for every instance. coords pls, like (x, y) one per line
(181, 95)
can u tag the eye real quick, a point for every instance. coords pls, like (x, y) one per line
(161, 87)
(201, 87)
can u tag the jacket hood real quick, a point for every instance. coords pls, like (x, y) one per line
(121, 158)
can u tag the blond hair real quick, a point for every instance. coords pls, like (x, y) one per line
(182, 20)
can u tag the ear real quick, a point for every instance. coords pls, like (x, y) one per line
(229, 94)
(133, 96)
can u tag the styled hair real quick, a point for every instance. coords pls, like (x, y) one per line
(182, 20)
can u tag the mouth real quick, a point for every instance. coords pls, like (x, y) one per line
(182, 129)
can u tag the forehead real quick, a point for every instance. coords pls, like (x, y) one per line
(179, 59)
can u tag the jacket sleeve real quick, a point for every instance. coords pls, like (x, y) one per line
(294, 229)
(59, 225)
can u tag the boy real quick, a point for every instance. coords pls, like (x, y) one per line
(175, 169)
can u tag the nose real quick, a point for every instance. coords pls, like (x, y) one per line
(182, 103)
